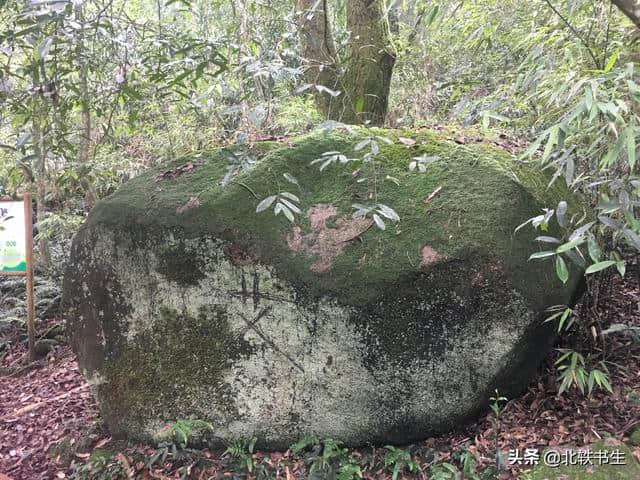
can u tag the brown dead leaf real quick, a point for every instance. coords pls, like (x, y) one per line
(407, 141)
(102, 442)
(176, 172)
(125, 465)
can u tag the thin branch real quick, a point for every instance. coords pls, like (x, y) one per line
(576, 33)
(246, 187)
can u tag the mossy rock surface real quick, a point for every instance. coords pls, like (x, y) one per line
(183, 302)
(603, 463)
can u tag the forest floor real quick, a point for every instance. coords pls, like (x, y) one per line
(50, 426)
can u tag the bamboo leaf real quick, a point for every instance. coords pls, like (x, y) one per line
(596, 267)
(561, 269)
(266, 203)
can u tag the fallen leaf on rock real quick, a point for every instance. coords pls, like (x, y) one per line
(176, 172)
(426, 200)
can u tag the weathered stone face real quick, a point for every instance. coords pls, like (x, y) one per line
(325, 327)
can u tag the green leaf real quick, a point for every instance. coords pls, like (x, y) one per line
(561, 269)
(322, 88)
(180, 77)
(379, 222)
(287, 213)
(290, 196)
(290, 205)
(632, 237)
(361, 144)
(44, 48)
(561, 214)
(131, 93)
(266, 203)
(551, 142)
(570, 245)
(290, 178)
(612, 153)
(433, 15)
(359, 105)
(544, 254)
(611, 61)
(596, 267)
(594, 248)
(546, 239)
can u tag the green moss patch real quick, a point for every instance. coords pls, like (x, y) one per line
(165, 372)
(482, 194)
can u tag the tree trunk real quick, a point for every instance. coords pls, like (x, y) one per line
(631, 8)
(90, 195)
(364, 78)
(369, 64)
(319, 51)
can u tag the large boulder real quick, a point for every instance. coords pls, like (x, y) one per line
(183, 302)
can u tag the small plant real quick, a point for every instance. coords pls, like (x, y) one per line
(285, 202)
(101, 465)
(444, 471)
(174, 438)
(497, 405)
(239, 161)
(398, 460)
(574, 372)
(573, 242)
(564, 316)
(377, 212)
(181, 432)
(329, 158)
(468, 462)
(420, 163)
(328, 459)
(54, 225)
(242, 453)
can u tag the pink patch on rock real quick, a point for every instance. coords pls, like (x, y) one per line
(319, 214)
(323, 243)
(429, 256)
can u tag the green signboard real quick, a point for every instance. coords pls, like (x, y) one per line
(13, 251)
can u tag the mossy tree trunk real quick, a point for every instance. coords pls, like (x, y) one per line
(369, 65)
(631, 8)
(363, 77)
(318, 50)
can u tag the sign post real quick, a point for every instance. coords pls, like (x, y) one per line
(16, 253)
